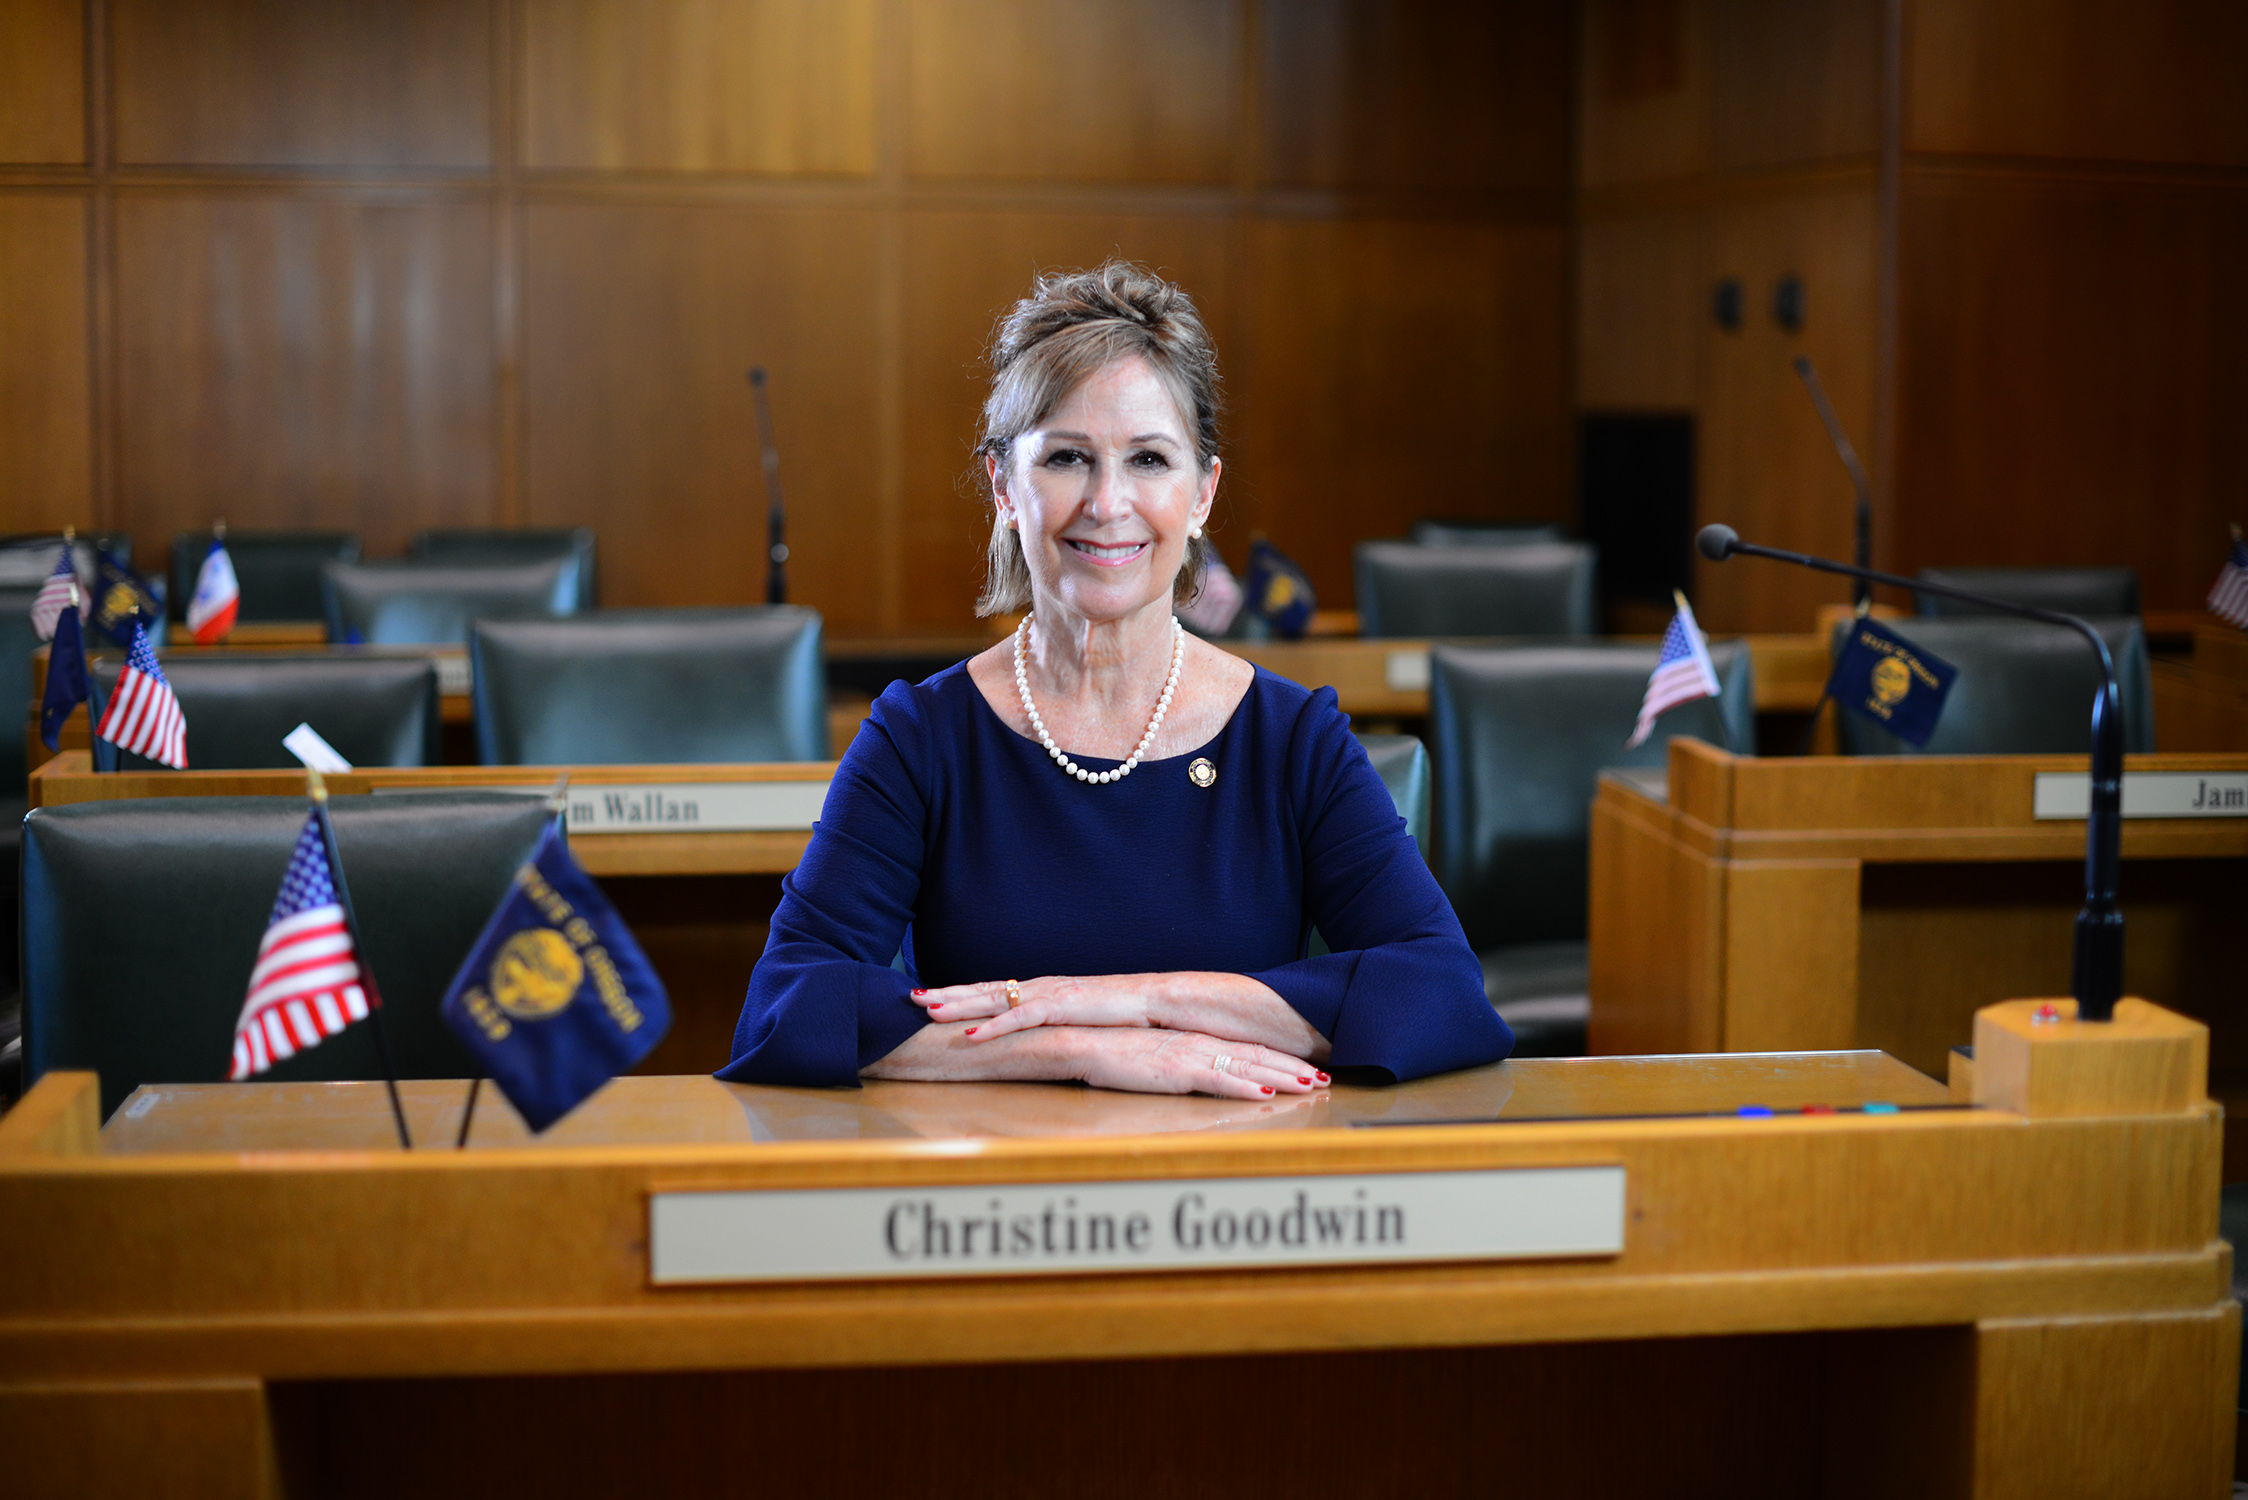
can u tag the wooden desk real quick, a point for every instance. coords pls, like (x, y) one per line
(699, 900)
(1389, 678)
(2201, 697)
(1774, 905)
(242, 1289)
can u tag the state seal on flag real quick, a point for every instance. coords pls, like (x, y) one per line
(536, 973)
(1892, 679)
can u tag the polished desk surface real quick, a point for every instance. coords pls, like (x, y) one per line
(161, 1119)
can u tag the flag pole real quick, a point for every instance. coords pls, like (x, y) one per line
(319, 790)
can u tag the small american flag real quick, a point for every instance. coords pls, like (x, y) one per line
(307, 985)
(57, 594)
(143, 716)
(1682, 673)
(2229, 598)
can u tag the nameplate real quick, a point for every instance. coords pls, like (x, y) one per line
(2148, 794)
(1064, 1228)
(454, 677)
(1406, 671)
(695, 807)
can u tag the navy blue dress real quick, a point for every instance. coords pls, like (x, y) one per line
(950, 832)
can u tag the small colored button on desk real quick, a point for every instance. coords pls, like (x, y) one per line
(1756, 1111)
(1880, 1108)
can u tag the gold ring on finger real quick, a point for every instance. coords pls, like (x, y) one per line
(1014, 993)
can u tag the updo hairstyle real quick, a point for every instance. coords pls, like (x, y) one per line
(1072, 326)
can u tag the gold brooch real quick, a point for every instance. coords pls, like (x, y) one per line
(1201, 772)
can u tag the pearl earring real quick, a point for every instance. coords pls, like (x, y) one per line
(1194, 532)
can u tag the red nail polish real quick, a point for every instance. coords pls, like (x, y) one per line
(1266, 1090)
(971, 1031)
(1323, 1078)
(921, 992)
(1303, 1080)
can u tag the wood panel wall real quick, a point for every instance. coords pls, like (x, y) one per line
(439, 262)
(2022, 226)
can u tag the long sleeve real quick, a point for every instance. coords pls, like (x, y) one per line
(1401, 991)
(824, 1001)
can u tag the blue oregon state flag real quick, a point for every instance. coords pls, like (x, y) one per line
(1884, 678)
(556, 998)
(1279, 593)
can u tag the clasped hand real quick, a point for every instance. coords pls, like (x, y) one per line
(1130, 1047)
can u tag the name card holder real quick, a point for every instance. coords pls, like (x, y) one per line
(1064, 1228)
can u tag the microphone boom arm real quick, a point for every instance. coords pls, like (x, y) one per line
(2096, 974)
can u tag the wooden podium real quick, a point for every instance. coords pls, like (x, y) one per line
(1825, 1278)
(1744, 905)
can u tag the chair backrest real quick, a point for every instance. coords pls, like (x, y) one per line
(1522, 734)
(2068, 591)
(374, 710)
(469, 545)
(1469, 533)
(1532, 589)
(141, 920)
(2023, 688)
(277, 571)
(432, 604)
(630, 687)
(17, 641)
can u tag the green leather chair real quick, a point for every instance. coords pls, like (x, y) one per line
(1531, 589)
(465, 545)
(278, 571)
(1522, 734)
(374, 710)
(141, 920)
(432, 604)
(2068, 591)
(2023, 688)
(1470, 533)
(631, 687)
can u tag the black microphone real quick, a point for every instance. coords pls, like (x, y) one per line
(1849, 456)
(776, 518)
(2096, 975)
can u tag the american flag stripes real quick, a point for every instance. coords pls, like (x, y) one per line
(1682, 673)
(2229, 598)
(57, 594)
(306, 986)
(143, 716)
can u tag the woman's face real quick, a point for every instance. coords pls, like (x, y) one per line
(1104, 494)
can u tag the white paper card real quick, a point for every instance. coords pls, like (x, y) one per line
(2148, 794)
(698, 807)
(1061, 1228)
(1406, 671)
(305, 744)
(453, 673)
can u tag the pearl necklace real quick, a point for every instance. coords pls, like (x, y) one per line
(1030, 709)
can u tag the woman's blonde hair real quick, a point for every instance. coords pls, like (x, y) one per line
(1072, 326)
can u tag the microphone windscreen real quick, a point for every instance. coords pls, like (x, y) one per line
(1716, 541)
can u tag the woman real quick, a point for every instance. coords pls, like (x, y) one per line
(1102, 842)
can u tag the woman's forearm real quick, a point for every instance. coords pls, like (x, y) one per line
(938, 1052)
(1236, 1007)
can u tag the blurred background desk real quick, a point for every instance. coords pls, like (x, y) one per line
(242, 1286)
